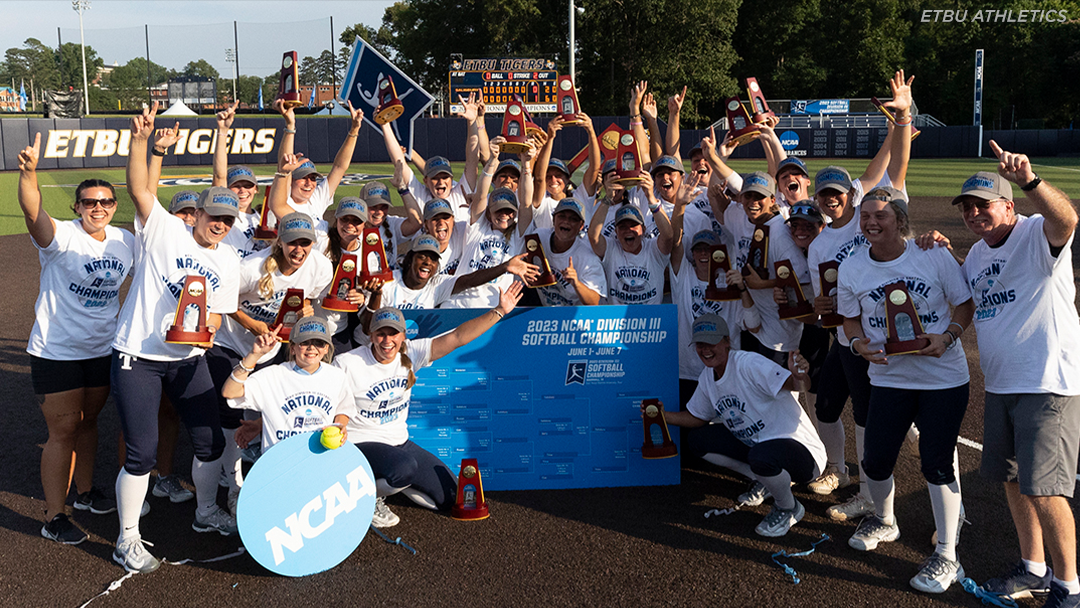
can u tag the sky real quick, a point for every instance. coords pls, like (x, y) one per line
(186, 30)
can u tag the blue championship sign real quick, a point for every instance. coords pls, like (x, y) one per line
(304, 509)
(360, 87)
(550, 397)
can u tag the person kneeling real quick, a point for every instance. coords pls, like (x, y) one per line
(744, 417)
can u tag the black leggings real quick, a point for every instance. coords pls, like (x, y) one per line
(844, 374)
(937, 413)
(409, 465)
(766, 459)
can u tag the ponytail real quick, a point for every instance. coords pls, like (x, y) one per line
(269, 267)
(407, 362)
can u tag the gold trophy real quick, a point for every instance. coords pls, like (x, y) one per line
(292, 305)
(655, 415)
(289, 85)
(534, 254)
(797, 304)
(828, 273)
(904, 323)
(189, 324)
(470, 504)
(344, 280)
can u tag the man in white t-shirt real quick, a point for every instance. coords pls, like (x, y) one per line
(1021, 278)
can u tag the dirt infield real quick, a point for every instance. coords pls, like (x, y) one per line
(609, 546)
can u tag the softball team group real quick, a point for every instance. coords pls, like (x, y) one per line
(460, 244)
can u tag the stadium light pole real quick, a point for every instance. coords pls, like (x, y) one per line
(80, 6)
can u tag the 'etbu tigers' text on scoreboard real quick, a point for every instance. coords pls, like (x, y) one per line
(533, 80)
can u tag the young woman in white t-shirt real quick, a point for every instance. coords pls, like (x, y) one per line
(381, 377)
(83, 263)
(393, 230)
(343, 234)
(928, 387)
(744, 417)
(268, 391)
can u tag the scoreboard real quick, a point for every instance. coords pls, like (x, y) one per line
(499, 80)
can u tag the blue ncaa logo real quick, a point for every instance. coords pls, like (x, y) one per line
(411, 329)
(789, 139)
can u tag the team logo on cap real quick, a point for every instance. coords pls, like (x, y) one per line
(704, 326)
(428, 241)
(756, 180)
(977, 181)
(506, 196)
(241, 171)
(379, 191)
(438, 163)
(298, 224)
(187, 196)
(225, 199)
(310, 326)
(388, 315)
(352, 205)
(832, 176)
(438, 205)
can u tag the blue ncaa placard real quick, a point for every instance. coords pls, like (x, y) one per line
(303, 508)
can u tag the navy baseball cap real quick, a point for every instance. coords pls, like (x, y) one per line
(792, 162)
(240, 173)
(218, 201)
(805, 210)
(558, 164)
(667, 162)
(508, 165)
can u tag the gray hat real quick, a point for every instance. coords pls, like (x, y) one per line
(888, 195)
(310, 328)
(218, 201)
(306, 169)
(697, 149)
(792, 161)
(437, 165)
(836, 178)
(629, 212)
(987, 186)
(375, 193)
(296, 226)
(427, 243)
(387, 316)
(508, 165)
(667, 162)
(705, 237)
(350, 205)
(558, 165)
(710, 329)
(805, 210)
(185, 199)
(759, 182)
(240, 173)
(436, 207)
(569, 204)
(502, 198)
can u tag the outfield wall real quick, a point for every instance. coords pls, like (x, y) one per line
(80, 143)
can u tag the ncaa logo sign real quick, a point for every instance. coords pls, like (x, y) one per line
(304, 509)
(789, 140)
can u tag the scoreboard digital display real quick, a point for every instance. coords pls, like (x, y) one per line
(499, 80)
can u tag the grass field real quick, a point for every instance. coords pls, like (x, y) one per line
(926, 177)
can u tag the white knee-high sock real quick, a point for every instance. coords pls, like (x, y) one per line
(780, 487)
(204, 476)
(810, 399)
(860, 446)
(383, 489)
(946, 503)
(230, 461)
(420, 498)
(883, 492)
(130, 494)
(832, 435)
(740, 467)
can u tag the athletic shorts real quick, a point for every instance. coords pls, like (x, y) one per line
(1033, 440)
(52, 376)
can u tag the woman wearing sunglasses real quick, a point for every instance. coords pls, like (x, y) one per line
(83, 263)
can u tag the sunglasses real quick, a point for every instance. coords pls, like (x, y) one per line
(90, 203)
(981, 205)
(804, 210)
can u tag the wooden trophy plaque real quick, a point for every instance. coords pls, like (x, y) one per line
(534, 254)
(531, 128)
(735, 112)
(513, 130)
(470, 504)
(373, 264)
(719, 264)
(566, 98)
(289, 84)
(390, 107)
(797, 304)
(292, 306)
(264, 231)
(904, 323)
(628, 161)
(189, 324)
(828, 273)
(881, 108)
(758, 257)
(655, 415)
(761, 113)
(344, 280)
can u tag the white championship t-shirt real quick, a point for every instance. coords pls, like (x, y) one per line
(634, 278)
(458, 197)
(688, 294)
(321, 200)
(834, 244)
(313, 276)
(79, 293)
(589, 269)
(437, 290)
(241, 236)
(294, 402)
(380, 393)
(485, 247)
(750, 400)
(542, 215)
(167, 255)
(1029, 335)
(934, 281)
(777, 334)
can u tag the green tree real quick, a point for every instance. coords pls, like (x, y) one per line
(129, 82)
(200, 68)
(71, 67)
(380, 39)
(34, 62)
(247, 88)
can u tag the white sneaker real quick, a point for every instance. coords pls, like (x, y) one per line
(383, 517)
(832, 479)
(217, 520)
(936, 574)
(169, 486)
(133, 556)
(871, 532)
(755, 494)
(779, 521)
(234, 495)
(857, 506)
